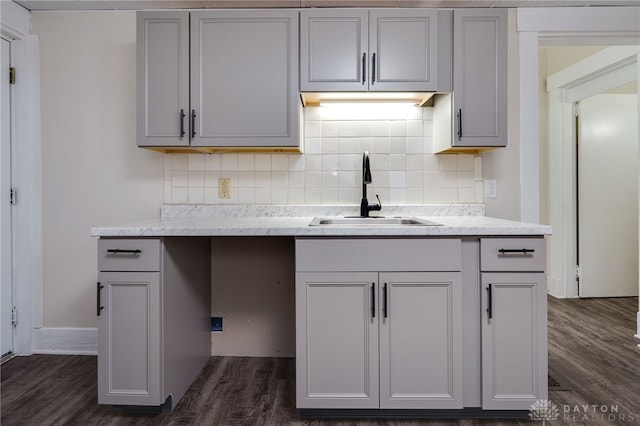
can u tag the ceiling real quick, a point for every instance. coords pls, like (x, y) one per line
(47, 5)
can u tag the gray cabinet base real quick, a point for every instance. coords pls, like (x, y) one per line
(468, 413)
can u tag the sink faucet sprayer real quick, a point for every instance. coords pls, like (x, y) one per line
(365, 207)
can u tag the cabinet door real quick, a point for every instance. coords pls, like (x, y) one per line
(244, 78)
(336, 340)
(333, 50)
(420, 340)
(480, 77)
(163, 78)
(403, 49)
(514, 340)
(129, 344)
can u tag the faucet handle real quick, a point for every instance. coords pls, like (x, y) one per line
(379, 205)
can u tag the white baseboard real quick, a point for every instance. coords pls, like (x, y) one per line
(65, 341)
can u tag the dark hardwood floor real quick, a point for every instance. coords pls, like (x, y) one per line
(592, 352)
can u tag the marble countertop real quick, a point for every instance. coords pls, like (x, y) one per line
(214, 220)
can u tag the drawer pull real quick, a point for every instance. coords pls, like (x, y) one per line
(522, 250)
(98, 307)
(123, 251)
(489, 301)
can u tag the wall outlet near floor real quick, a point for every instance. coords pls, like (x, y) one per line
(490, 188)
(224, 188)
(216, 324)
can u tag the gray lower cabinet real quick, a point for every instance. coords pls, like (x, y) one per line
(153, 307)
(514, 323)
(378, 339)
(129, 334)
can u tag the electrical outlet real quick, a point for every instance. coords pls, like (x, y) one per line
(224, 188)
(216, 324)
(490, 188)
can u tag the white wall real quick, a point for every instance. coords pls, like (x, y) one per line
(92, 172)
(503, 164)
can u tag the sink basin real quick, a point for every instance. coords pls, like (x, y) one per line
(371, 221)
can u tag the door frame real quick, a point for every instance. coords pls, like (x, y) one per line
(595, 74)
(15, 26)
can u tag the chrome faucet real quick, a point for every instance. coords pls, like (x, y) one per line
(365, 207)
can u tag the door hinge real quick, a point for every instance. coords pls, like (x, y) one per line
(13, 196)
(578, 273)
(14, 316)
(576, 109)
(12, 75)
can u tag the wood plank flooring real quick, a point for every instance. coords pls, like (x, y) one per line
(592, 352)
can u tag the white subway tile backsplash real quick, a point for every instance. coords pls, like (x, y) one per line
(398, 128)
(397, 196)
(179, 178)
(246, 162)
(399, 142)
(195, 195)
(195, 162)
(398, 179)
(279, 162)
(212, 162)
(448, 162)
(466, 179)
(330, 129)
(465, 162)
(313, 163)
(179, 162)
(296, 163)
(229, 162)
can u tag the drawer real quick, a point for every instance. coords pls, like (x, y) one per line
(128, 255)
(513, 254)
(378, 254)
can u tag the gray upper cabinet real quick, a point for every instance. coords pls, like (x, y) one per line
(244, 85)
(234, 85)
(480, 77)
(368, 50)
(475, 115)
(163, 78)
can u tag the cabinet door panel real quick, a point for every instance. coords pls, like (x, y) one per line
(129, 339)
(421, 340)
(404, 43)
(480, 73)
(514, 340)
(333, 43)
(245, 92)
(163, 78)
(337, 341)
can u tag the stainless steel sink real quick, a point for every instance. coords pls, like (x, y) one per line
(371, 221)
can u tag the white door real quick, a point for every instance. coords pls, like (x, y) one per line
(6, 297)
(608, 196)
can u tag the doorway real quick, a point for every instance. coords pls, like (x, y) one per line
(6, 263)
(607, 195)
